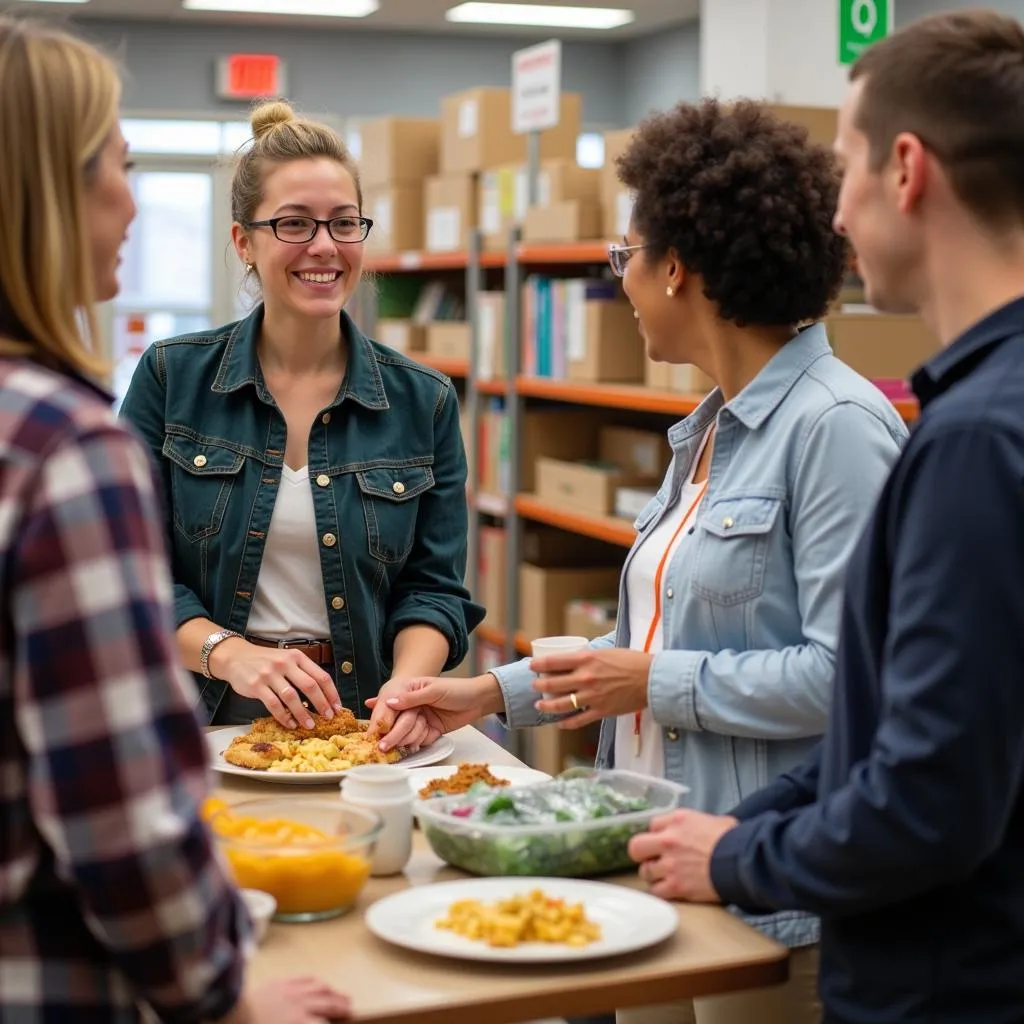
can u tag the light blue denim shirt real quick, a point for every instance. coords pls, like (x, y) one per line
(743, 684)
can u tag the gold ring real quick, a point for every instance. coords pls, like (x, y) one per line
(574, 702)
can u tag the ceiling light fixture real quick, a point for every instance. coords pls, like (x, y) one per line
(540, 15)
(56, 1)
(307, 8)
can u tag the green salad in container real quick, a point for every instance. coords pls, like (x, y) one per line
(576, 825)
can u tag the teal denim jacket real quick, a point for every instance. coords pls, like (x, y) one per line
(388, 472)
(743, 684)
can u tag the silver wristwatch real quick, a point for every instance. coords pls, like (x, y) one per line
(208, 645)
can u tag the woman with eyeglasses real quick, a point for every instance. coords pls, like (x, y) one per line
(719, 672)
(315, 480)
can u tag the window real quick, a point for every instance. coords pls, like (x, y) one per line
(184, 138)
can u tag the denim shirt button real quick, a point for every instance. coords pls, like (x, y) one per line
(398, 487)
(326, 418)
(346, 667)
(670, 593)
(323, 480)
(337, 603)
(728, 522)
(329, 540)
(672, 734)
(199, 461)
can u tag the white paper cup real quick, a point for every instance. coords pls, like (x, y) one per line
(545, 645)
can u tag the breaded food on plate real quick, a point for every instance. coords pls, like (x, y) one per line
(343, 723)
(258, 755)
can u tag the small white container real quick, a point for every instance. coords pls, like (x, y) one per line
(261, 906)
(384, 788)
(545, 645)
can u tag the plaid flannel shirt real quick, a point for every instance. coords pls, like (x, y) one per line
(111, 893)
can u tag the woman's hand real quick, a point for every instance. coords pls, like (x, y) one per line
(291, 1001)
(607, 682)
(277, 677)
(423, 709)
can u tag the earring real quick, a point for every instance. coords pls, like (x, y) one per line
(249, 267)
(670, 292)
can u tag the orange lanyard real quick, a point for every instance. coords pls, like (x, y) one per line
(658, 575)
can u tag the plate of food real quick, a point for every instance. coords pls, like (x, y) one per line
(537, 920)
(309, 757)
(451, 779)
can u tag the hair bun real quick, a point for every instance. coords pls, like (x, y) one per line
(267, 116)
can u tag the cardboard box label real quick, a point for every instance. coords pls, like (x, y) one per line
(469, 115)
(623, 211)
(487, 324)
(444, 228)
(382, 215)
(393, 335)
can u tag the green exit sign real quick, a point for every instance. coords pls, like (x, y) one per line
(861, 23)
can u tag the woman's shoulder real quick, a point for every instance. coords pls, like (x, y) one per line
(403, 371)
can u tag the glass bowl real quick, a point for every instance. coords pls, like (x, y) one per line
(312, 856)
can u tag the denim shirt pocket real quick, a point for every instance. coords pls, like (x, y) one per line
(647, 513)
(390, 507)
(202, 475)
(732, 548)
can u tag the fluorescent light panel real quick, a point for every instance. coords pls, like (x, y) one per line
(308, 8)
(55, 1)
(540, 15)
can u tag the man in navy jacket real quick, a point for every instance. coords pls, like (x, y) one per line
(905, 830)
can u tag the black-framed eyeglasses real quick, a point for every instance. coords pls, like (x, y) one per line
(619, 256)
(298, 230)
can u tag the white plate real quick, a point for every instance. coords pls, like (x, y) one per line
(419, 777)
(218, 740)
(629, 919)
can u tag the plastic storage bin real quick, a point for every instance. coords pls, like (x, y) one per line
(577, 849)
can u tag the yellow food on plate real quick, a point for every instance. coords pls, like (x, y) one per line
(530, 917)
(301, 866)
(271, 748)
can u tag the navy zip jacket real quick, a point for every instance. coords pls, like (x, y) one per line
(905, 829)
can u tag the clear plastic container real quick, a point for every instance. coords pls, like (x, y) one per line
(575, 849)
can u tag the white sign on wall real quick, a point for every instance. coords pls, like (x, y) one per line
(536, 87)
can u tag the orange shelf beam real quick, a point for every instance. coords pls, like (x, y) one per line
(491, 387)
(568, 252)
(613, 396)
(493, 635)
(443, 364)
(607, 528)
(412, 262)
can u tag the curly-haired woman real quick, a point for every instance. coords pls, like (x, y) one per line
(719, 673)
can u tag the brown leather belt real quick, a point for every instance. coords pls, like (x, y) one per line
(321, 652)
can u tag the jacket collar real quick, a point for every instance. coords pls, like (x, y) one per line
(239, 366)
(957, 360)
(760, 398)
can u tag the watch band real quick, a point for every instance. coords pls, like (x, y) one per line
(207, 649)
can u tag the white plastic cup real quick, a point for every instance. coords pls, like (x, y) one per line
(384, 788)
(545, 645)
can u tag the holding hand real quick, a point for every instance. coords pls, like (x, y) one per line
(277, 677)
(291, 1001)
(605, 683)
(675, 856)
(418, 711)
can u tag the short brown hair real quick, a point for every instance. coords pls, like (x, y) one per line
(746, 201)
(956, 81)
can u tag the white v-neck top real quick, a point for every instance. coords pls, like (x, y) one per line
(289, 602)
(648, 755)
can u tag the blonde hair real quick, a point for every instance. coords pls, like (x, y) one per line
(279, 136)
(59, 100)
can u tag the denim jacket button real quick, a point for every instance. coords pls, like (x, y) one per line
(346, 667)
(326, 418)
(323, 480)
(670, 593)
(672, 734)
(398, 487)
(337, 603)
(329, 540)
(199, 461)
(728, 522)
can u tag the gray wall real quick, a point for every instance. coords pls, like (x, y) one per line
(911, 10)
(660, 70)
(363, 74)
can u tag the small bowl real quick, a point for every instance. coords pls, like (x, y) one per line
(312, 856)
(261, 906)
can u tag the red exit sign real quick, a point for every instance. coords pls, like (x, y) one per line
(250, 76)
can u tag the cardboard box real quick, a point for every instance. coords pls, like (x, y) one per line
(880, 346)
(615, 144)
(544, 592)
(588, 486)
(397, 215)
(567, 434)
(399, 150)
(609, 349)
(402, 335)
(450, 202)
(616, 212)
(561, 180)
(570, 220)
(820, 122)
(502, 203)
(641, 452)
(680, 377)
(590, 617)
(493, 575)
(450, 339)
(476, 131)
